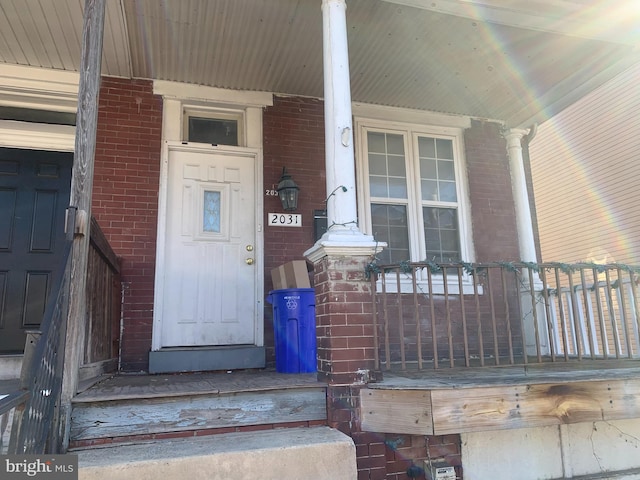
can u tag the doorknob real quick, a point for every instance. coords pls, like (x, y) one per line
(249, 261)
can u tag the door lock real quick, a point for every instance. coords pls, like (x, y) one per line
(249, 261)
(249, 248)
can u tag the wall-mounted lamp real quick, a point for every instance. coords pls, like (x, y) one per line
(288, 191)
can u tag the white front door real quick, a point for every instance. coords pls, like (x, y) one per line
(210, 274)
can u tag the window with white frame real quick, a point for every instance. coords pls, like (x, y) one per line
(413, 191)
(214, 127)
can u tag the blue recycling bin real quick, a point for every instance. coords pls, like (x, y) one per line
(294, 325)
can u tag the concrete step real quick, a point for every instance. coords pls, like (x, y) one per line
(10, 366)
(318, 453)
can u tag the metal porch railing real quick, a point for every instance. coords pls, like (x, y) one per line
(431, 315)
(36, 426)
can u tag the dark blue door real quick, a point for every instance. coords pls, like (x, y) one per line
(34, 193)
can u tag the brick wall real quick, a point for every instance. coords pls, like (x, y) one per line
(344, 320)
(492, 208)
(125, 200)
(387, 456)
(293, 138)
(126, 186)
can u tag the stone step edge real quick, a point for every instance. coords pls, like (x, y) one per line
(321, 453)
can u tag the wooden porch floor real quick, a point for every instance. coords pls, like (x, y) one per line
(561, 372)
(133, 386)
(451, 401)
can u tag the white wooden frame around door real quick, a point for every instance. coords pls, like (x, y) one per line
(23, 87)
(176, 97)
(40, 89)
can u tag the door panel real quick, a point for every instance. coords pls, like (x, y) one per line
(209, 294)
(8, 199)
(34, 192)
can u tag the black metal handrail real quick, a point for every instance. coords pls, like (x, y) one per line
(36, 424)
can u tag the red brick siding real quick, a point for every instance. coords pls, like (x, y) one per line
(485, 318)
(403, 451)
(492, 208)
(344, 320)
(125, 200)
(293, 131)
(386, 456)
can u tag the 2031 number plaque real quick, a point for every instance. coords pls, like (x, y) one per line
(285, 219)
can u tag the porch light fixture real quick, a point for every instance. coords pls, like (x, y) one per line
(288, 191)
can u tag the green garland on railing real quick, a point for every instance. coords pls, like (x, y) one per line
(564, 267)
(468, 268)
(532, 266)
(433, 266)
(509, 266)
(405, 267)
(373, 268)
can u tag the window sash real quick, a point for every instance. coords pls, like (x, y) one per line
(213, 126)
(427, 158)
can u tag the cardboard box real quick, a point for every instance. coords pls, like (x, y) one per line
(291, 275)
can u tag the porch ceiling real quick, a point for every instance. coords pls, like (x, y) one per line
(518, 60)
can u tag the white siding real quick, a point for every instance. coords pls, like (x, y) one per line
(586, 176)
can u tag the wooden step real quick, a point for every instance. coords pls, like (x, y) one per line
(148, 407)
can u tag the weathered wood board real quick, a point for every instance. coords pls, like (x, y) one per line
(522, 406)
(442, 411)
(396, 411)
(147, 416)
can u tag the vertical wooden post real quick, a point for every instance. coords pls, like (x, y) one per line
(81, 188)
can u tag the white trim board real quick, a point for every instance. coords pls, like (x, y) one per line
(38, 136)
(39, 88)
(189, 92)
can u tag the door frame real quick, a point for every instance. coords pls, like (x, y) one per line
(176, 98)
(158, 304)
(44, 89)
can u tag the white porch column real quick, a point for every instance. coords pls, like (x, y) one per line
(526, 240)
(342, 215)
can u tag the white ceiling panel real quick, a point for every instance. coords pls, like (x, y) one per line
(510, 60)
(48, 34)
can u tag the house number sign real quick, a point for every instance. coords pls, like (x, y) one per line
(285, 219)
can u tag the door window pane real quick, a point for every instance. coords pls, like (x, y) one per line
(211, 212)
